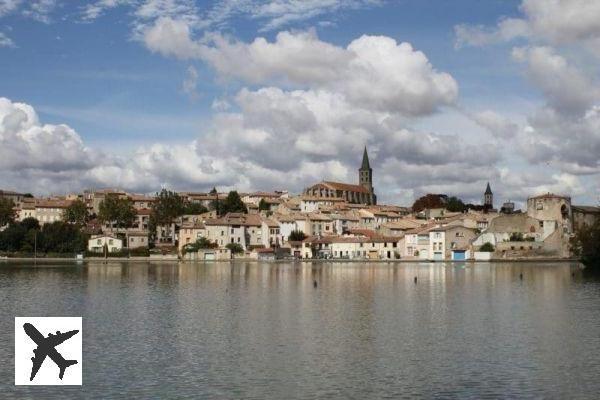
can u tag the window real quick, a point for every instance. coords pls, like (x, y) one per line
(539, 205)
(99, 241)
(542, 224)
(110, 241)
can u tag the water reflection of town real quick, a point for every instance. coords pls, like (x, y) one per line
(546, 276)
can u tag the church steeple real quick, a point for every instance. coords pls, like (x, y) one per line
(365, 162)
(488, 197)
(365, 177)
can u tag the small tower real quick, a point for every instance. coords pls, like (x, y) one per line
(365, 177)
(488, 197)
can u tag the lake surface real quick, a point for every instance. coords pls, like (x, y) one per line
(262, 331)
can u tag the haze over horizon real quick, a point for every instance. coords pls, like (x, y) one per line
(280, 94)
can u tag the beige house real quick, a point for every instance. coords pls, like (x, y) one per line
(189, 233)
(136, 240)
(400, 227)
(271, 234)
(50, 210)
(243, 229)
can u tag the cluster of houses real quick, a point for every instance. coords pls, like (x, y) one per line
(337, 221)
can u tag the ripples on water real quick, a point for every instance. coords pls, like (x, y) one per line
(252, 330)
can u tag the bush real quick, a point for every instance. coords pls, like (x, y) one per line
(516, 237)
(487, 247)
(296, 236)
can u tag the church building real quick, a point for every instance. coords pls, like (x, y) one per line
(363, 193)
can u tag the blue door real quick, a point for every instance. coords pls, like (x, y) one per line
(459, 255)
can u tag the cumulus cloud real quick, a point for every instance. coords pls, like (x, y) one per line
(571, 141)
(26, 143)
(553, 21)
(481, 35)
(496, 124)
(565, 87)
(372, 72)
(47, 158)
(562, 134)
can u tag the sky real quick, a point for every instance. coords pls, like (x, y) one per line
(281, 94)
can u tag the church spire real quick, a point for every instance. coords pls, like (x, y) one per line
(488, 190)
(365, 161)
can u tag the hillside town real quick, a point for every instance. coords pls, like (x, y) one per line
(328, 220)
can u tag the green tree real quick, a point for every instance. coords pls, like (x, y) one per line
(487, 247)
(233, 204)
(586, 245)
(263, 205)
(194, 208)
(116, 211)
(428, 201)
(201, 243)
(235, 248)
(296, 236)
(7, 211)
(167, 207)
(454, 204)
(61, 237)
(76, 213)
(11, 238)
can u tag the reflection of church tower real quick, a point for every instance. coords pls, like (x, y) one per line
(365, 177)
(488, 197)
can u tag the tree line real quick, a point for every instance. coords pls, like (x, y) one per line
(118, 213)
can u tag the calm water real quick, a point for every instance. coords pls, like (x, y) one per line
(263, 331)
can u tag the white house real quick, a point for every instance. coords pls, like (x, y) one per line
(96, 243)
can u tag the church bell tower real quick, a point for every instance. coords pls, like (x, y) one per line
(365, 177)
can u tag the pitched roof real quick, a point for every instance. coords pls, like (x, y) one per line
(402, 224)
(52, 203)
(345, 186)
(236, 219)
